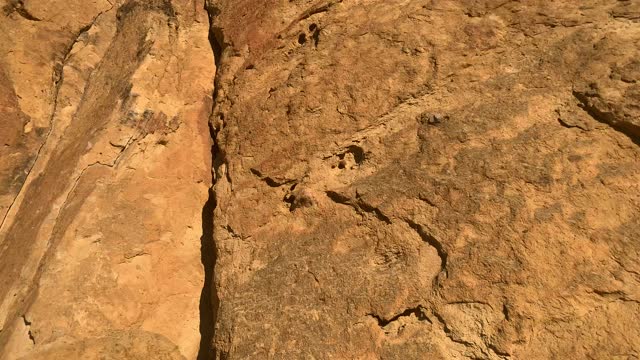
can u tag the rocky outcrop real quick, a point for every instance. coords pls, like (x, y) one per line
(106, 164)
(427, 179)
(383, 179)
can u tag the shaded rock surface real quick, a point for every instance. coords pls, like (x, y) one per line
(392, 179)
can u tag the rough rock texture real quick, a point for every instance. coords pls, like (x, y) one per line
(414, 179)
(105, 169)
(392, 179)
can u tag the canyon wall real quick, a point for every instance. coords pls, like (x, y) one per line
(106, 160)
(408, 179)
(334, 179)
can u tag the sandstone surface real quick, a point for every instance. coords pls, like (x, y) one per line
(427, 179)
(364, 179)
(105, 170)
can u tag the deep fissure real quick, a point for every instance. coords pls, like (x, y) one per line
(208, 252)
(208, 297)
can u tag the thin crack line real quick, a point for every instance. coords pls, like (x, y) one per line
(58, 80)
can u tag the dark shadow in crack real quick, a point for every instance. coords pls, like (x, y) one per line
(209, 301)
(208, 297)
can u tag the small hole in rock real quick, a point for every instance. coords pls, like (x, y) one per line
(289, 198)
(250, 66)
(316, 37)
(342, 164)
(358, 153)
(313, 27)
(302, 38)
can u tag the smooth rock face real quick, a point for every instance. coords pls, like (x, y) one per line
(105, 164)
(392, 179)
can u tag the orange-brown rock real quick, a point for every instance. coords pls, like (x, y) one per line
(427, 179)
(106, 162)
(379, 179)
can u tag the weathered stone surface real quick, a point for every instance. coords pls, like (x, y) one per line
(107, 171)
(392, 179)
(427, 179)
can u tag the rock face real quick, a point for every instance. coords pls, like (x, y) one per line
(392, 179)
(105, 170)
(427, 179)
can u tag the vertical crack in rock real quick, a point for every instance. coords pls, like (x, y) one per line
(209, 297)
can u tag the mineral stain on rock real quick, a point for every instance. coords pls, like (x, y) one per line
(389, 179)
